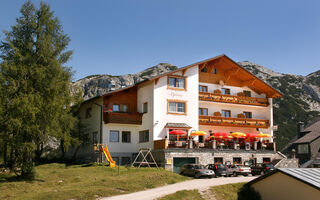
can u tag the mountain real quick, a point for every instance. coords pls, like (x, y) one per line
(96, 85)
(301, 100)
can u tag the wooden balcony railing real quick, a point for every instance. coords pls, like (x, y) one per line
(224, 98)
(160, 144)
(123, 118)
(235, 122)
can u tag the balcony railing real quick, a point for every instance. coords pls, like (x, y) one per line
(123, 118)
(224, 98)
(235, 122)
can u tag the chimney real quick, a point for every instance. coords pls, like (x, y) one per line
(300, 126)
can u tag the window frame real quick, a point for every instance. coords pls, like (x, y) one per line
(224, 111)
(226, 89)
(214, 71)
(118, 136)
(250, 114)
(143, 107)
(144, 136)
(303, 152)
(201, 111)
(203, 86)
(175, 87)
(176, 107)
(116, 105)
(122, 132)
(121, 107)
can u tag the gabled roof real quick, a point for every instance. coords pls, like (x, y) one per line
(314, 133)
(310, 176)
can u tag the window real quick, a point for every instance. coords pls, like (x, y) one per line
(237, 160)
(116, 107)
(124, 108)
(205, 69)
(116, 159)
(226, 113)
(247, 93)
(266, 160)
(126, 136)
(95, 137)
(303, 149)
(214, 71)
(88, 112)
(225, 91)
(203, 88)
(218, 160)
(145, 107)
(176, 107)
(144, 136)
(114, 136)
(175, 82)
(203, 111)
(125, 160)
(248, 114)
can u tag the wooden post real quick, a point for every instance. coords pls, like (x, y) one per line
(118, 169)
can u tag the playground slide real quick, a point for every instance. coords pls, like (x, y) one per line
(108, 156)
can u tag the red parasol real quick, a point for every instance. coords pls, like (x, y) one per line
(177, 132)
(221, 135)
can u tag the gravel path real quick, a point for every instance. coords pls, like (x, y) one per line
(200, 184)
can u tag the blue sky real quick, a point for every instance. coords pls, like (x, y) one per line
(126, 36)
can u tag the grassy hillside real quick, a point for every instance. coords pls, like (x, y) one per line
(58, 181)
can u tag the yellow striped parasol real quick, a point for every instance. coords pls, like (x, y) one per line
(198, 133)
(238, 135)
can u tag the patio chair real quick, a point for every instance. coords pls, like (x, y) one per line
(201, 144)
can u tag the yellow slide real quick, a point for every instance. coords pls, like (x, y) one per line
(108, 156)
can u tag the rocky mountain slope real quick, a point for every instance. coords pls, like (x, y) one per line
(301, 100)
(96, 85)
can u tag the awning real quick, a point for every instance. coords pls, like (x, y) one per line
(178, 125)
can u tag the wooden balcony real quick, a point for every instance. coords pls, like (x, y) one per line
(123, 118)
(234, 122)
(224, 98)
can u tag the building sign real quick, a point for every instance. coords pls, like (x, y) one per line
(175, 94)
(169, 161)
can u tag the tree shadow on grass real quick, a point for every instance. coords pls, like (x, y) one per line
(14, 178)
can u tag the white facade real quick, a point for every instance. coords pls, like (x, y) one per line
(161, 96)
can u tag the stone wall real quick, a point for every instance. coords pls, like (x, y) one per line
(165, 158)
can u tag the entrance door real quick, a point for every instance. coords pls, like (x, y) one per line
(178, 162)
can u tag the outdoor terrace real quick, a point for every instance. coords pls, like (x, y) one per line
(214, 145)
(234, 122)
(224, 98)
(123, 118)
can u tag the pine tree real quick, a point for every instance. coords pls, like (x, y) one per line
(35, 85)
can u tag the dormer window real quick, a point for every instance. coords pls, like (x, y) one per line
(214, 71)
(177, 83)
(205, 69)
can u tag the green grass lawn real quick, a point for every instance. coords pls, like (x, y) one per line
(58, 181)
(227, 192)
(183, 194)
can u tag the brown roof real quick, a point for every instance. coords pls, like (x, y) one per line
(314, 133)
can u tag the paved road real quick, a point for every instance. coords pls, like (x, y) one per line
(200, 184)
